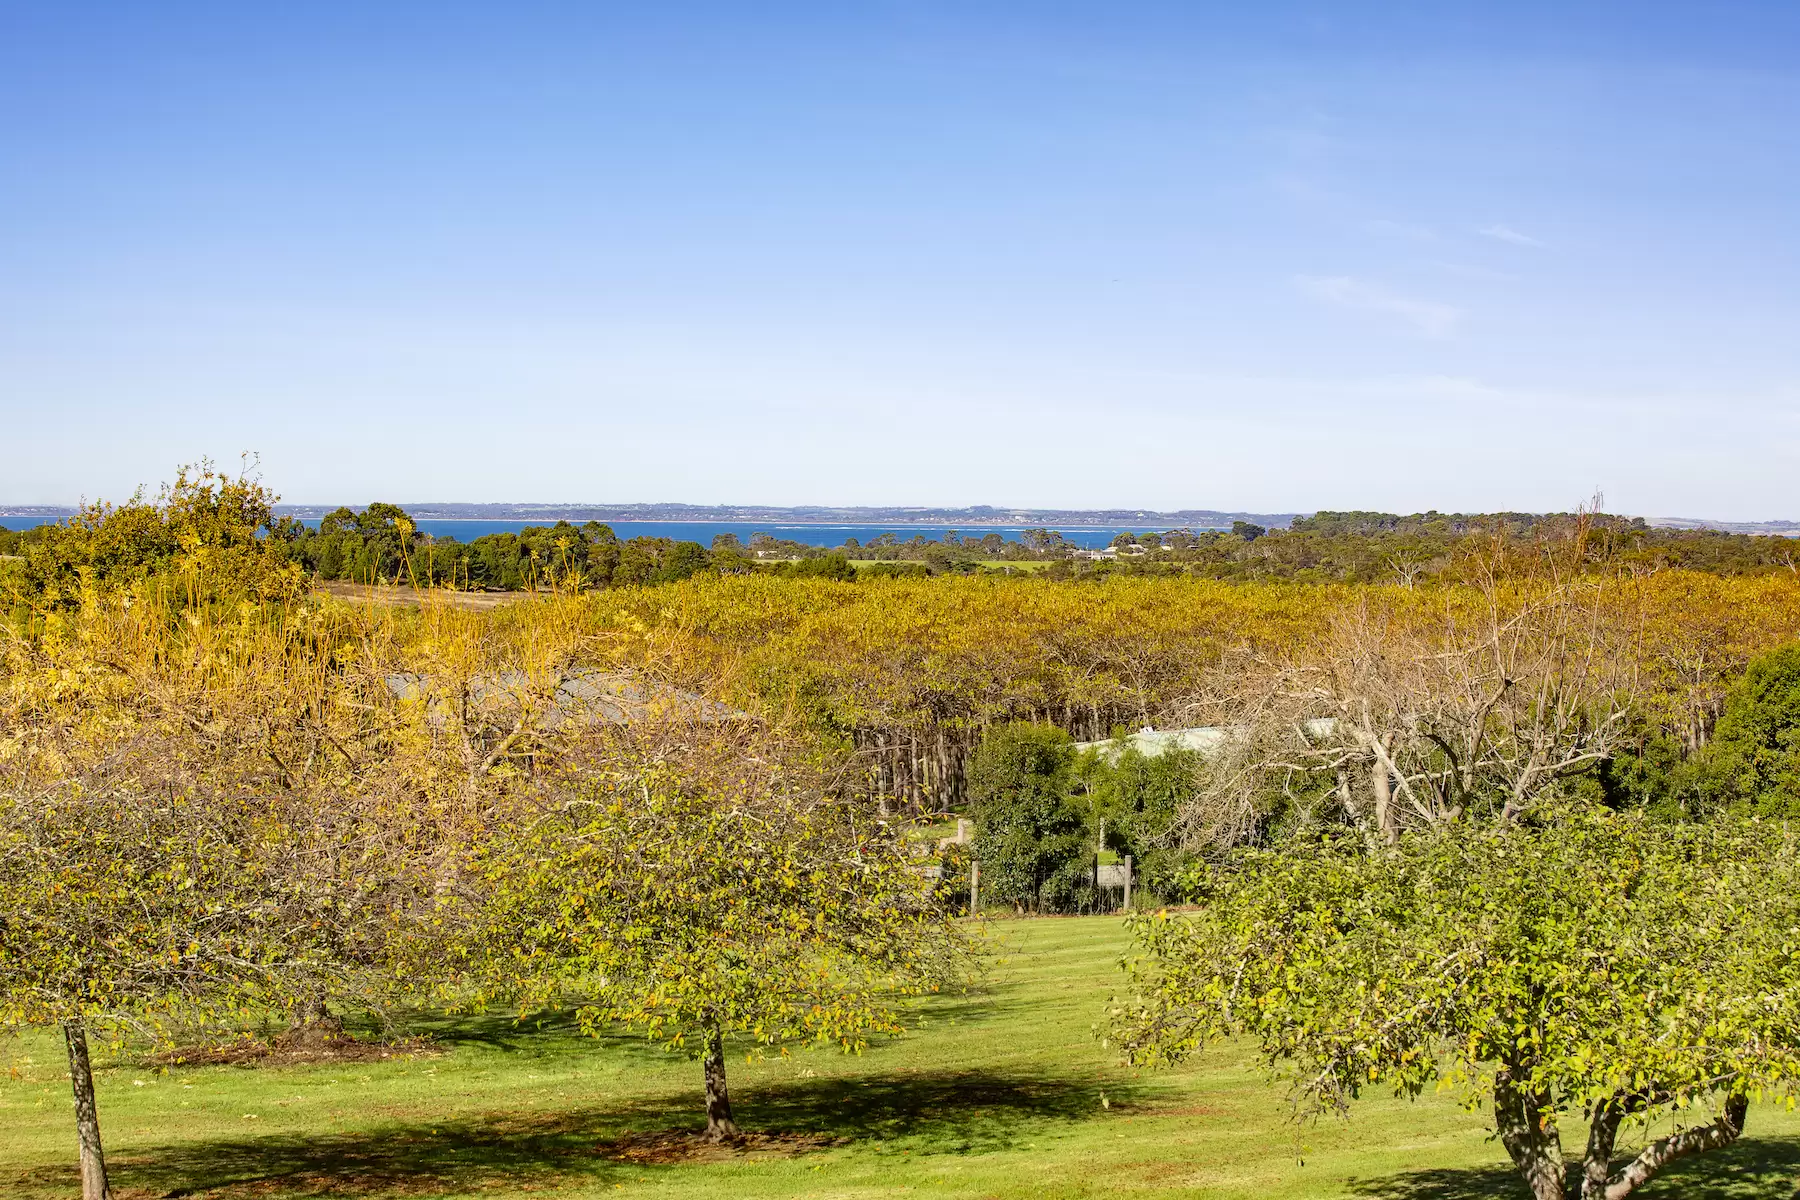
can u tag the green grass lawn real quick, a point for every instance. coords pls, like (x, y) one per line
(1001, 1094)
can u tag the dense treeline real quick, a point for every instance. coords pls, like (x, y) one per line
(914, 672)
(1386, 548)
(1340, 547)
(115, 544)
(381, 544)
(919, 677)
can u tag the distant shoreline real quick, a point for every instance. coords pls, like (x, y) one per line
(972, 517)
(975, 517)
(798, 515)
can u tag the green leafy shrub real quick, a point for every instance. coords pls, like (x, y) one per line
(1031, 840)
(1753, 762)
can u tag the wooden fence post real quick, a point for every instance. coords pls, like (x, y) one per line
(974, 886)
(1128, 883)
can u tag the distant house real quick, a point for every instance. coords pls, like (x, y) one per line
(1153, 743)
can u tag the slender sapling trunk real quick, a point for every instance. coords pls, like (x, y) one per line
(719, 1125)
(1385, 818)
(87, 1115)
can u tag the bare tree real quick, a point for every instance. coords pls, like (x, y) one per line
(1418, 707)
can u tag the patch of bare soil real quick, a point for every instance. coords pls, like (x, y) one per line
(665, 1146)
(287, 1049)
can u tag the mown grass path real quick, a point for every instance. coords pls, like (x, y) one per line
(1001, 1094)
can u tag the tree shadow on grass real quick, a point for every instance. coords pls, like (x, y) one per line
(555, 1030)
(937, 1112)
(1754, 1169)
(552, 1033)
(926, 1112)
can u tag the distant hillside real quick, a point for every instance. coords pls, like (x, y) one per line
(973, 517)
(1365, 524)
(1772, 528)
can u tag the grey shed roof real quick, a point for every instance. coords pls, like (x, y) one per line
(587, 695)
(1152, 743)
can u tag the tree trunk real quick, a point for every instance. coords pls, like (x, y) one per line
(1596, 1165)
(719, 1125)
(1383, 787)
(313, 1026)
(1659, 1154)
(1346, 797)
(87, 1115)
(1524, 1122)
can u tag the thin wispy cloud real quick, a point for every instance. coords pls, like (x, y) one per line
(1428, 317)
(1506, 233)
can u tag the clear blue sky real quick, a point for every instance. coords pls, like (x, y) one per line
(1268, 256)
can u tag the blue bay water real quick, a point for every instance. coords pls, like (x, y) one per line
(1091, 537)
(1087, 536)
